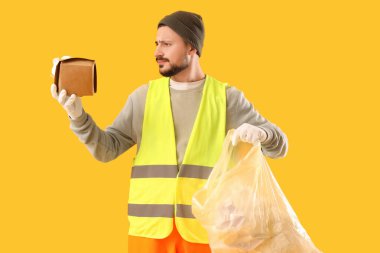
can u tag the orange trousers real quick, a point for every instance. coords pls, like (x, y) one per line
(171, 244)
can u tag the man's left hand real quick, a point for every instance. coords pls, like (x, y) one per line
(248, 133)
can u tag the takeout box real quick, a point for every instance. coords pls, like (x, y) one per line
(77, 76)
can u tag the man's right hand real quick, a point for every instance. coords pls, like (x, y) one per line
(72, 105)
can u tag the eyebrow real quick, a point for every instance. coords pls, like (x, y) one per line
(166, 41)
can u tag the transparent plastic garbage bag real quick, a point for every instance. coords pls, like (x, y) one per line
(243, 208)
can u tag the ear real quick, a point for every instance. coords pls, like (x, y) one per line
(190, 49)
(193, 51)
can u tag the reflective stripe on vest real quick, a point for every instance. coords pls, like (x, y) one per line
(159, 190)
(171, 171)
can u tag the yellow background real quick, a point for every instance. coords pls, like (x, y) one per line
(310, 67)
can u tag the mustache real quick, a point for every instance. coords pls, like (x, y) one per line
(161, 59)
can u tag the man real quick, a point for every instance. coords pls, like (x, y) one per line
(179, 123)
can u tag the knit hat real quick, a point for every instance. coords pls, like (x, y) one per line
(188, 25)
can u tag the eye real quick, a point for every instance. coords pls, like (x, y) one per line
(166, 44)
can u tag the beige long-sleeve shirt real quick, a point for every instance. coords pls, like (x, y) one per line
(126, 130)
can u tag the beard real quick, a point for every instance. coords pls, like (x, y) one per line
(175, 69)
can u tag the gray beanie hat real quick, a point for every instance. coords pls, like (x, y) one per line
(188, 25)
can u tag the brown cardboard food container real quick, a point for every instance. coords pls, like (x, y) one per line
(77, 76)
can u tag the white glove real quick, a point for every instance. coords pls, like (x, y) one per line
(72, 104)
(248, 133)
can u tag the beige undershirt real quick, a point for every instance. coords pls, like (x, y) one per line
(186, 85)
(126, 130)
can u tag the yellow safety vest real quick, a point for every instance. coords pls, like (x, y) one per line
(158, 190)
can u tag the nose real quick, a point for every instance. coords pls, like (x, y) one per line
(158, 52)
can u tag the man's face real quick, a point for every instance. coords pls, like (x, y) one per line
(171, 52)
